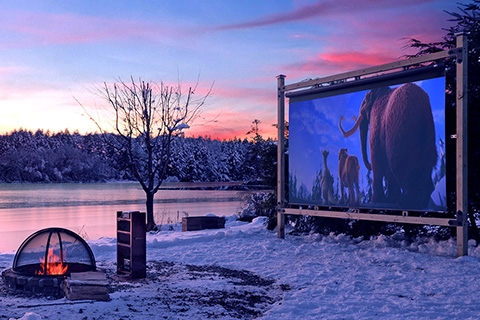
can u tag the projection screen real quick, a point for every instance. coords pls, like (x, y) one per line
(373, 143)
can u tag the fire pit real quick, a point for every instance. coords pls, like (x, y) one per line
(46, 258)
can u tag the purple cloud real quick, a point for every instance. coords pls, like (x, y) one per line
(324, 9)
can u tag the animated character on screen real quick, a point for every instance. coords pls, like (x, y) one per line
(402, 144)
(348, 173)
(326, 181)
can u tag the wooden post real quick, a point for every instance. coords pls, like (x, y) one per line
(281, 156)
(461, 148)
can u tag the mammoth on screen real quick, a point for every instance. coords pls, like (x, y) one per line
(380, 148)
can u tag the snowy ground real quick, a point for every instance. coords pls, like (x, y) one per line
(246, 272)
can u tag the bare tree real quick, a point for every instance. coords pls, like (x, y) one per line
(146, 118)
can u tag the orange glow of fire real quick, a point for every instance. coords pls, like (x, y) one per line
(54, 266)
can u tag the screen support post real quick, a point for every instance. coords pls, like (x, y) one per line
(461, 145)
(281, 156)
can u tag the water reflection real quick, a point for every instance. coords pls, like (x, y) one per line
(90, 210)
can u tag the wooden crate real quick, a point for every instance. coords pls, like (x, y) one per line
(201, 223)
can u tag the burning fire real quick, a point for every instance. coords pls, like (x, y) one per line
(54, 265)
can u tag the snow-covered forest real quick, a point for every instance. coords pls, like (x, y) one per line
(40, 156)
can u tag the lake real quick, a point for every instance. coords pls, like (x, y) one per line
(90, 209)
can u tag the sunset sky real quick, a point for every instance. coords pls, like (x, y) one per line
(53, 53)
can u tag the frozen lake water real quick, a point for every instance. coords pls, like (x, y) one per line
(90, 209)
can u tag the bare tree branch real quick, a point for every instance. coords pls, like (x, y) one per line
(147, 117)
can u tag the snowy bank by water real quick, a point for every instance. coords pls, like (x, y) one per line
(246, 272)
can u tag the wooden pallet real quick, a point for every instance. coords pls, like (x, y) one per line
(86, 286)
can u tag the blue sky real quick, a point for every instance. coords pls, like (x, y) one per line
(54, 52)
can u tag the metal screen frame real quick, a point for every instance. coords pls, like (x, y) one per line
(461, 223)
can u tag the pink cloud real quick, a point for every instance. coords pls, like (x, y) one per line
(328, 63)
(353, 59)
(367, 38)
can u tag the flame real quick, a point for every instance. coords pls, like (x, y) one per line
(53, 266)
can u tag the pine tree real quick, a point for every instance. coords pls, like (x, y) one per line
(468, 21)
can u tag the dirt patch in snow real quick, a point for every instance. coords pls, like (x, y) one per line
(171, 290)
(214, 292)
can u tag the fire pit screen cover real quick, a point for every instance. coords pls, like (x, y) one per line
(53, 251)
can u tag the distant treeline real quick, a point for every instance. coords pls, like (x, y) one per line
(40, 156)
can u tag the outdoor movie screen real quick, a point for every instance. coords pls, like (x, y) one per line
(380, 146)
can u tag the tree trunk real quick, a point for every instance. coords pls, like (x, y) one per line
(150, 218)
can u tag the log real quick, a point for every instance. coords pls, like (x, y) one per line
(52, 304)
(86, 286)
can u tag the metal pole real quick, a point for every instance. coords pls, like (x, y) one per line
(461, 148)
(281, 156)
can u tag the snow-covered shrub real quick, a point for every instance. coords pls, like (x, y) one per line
(367, 229)
(260, 204)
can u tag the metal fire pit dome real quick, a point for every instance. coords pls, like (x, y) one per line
(50, 246)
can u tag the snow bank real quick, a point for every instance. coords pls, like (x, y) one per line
(200, 274)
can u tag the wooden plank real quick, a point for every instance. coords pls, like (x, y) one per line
(89, 275)
(93, 283)
(88, 296)
(281, 147)
(93, 290)
(462, 145)
(446, 222)
(86, 293)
